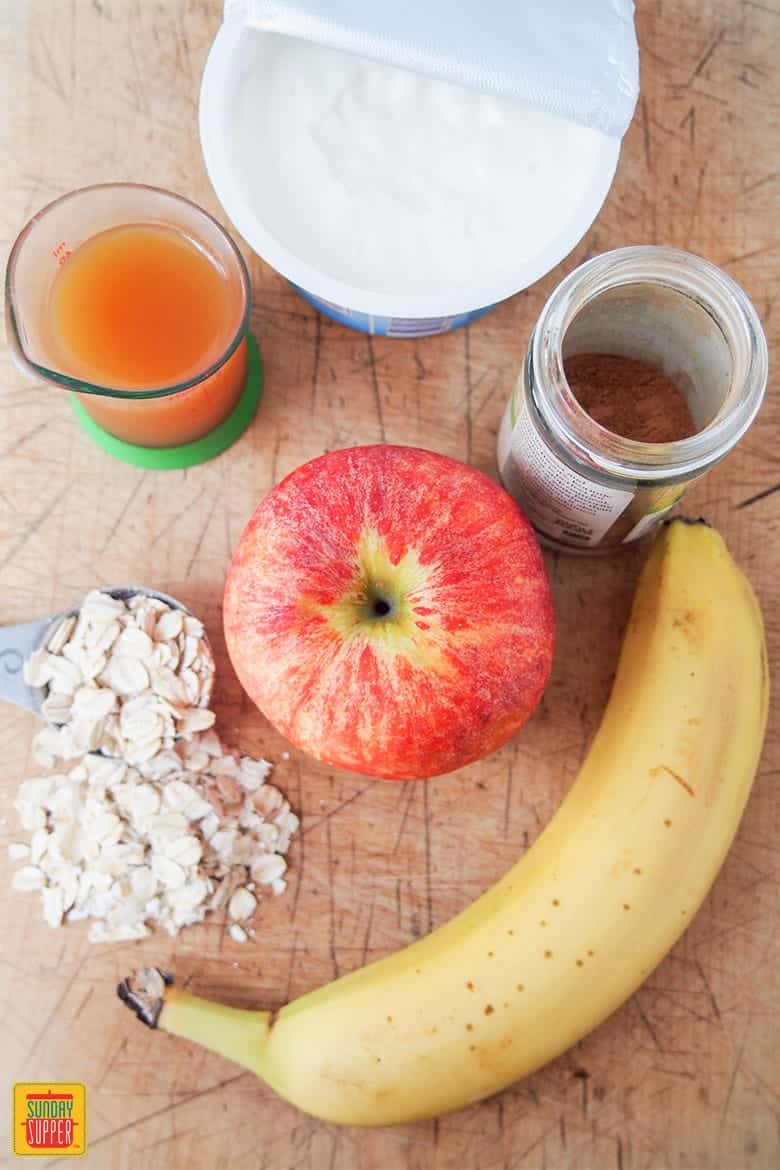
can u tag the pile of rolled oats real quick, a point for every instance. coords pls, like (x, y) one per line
(166, 824)
(124, 678)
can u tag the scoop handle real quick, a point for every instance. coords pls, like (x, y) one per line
(16, 645)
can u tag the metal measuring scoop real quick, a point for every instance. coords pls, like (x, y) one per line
(17, 643)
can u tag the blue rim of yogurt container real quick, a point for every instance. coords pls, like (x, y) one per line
(401, 327)
(219, 79)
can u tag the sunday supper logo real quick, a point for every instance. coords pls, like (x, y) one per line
(49, 1118)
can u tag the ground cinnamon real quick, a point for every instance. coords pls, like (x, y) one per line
(629, 397)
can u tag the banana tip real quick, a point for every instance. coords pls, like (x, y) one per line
(143, 991)
(687, 520)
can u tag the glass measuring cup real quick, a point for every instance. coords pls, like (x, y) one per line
(155, 416)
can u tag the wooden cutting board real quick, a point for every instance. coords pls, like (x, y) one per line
(686, 1076)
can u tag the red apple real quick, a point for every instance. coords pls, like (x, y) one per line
(388, 611)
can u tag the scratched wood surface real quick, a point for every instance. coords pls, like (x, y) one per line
(685, 1076)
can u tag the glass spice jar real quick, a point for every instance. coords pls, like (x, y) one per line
(583, 487)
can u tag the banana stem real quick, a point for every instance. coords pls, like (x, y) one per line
(236, 1033)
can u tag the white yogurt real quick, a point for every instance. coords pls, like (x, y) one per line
(396, 183)
(396, 204)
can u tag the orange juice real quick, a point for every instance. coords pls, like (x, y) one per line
(144, 307)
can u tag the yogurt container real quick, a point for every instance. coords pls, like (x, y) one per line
(395, 204)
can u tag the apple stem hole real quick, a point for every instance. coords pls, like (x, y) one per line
(381, 607)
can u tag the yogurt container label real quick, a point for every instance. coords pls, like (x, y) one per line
(390, 326)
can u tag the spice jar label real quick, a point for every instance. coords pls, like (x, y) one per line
(560, 503)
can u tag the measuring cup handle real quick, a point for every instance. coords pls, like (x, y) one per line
(16, 644)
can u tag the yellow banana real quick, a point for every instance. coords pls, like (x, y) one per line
(574, 928)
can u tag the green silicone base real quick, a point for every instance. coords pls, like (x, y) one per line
(188, 454)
